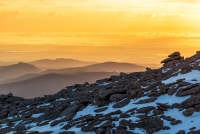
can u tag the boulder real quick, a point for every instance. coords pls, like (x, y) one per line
(188, 112)
(198, 52)
(190, 102)
(3, 115)
(67, 132)
(113, 113)
(146, 101)
(145, 110)
(174, 54)
(175, 122)
(117, 97)
(72, 109)
(151, 124)
(121, 104)
(100, 109)
(188, 91)
(109, 92)
(124, 115)
(136, 93)
(181, 132)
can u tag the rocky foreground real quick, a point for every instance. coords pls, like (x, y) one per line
(160, 101)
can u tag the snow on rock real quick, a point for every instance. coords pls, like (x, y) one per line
(37, 115)
(166, 70)
(158, 101)
(188, 77)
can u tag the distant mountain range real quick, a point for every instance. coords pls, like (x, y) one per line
(50, 83)
(59, 63)
(100, 67)
(27, 80)
(16, 70)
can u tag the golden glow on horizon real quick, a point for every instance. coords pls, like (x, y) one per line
(98, 30)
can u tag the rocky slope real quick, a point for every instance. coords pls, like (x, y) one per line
(160, 101)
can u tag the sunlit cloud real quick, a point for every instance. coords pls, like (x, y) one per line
(185, 1)
(21, 51)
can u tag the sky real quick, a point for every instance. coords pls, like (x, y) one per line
(99, 15)
(98, 30)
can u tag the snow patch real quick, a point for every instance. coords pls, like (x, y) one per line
(166, 70)
(189, 77)
(37, 115)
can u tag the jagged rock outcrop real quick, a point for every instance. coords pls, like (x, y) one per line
(141, 102)
(172, 59)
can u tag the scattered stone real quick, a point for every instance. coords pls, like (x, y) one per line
(157, 112)
(181, 132)
(188, 112)
(100, 109)
(124, 115)
(67, 132)
(117, 97)
(145, 110)
(146, 101)
(175, 122)
(192, 128)
(113, 113)
(121, 104)
(194, 132)
(151, 124)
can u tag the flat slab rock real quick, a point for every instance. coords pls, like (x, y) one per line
(122, 103)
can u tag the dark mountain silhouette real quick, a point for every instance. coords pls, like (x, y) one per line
(104, 67)
(16, 70)
(50, 83)
(59, 63)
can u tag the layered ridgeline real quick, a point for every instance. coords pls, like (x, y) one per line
(165, 100)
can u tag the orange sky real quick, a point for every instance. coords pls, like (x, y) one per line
(170, 21)
(99, 15)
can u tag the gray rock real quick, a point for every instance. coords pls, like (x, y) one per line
(175, 122)
(100, 109)
(3, 115)
(145, 110)
(194, 132)
(124, 115)
(117, 97)
(67, 132)
(171, 91)
(174, 54)
(146, 101)
(190, 102)
(188, 112)
(121, 104)
(70, 110)
(113, 113)
(151, 124)
(181, 132)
